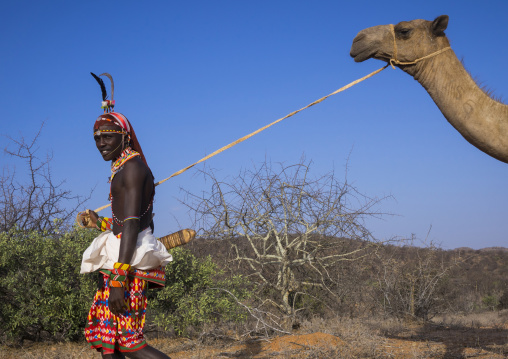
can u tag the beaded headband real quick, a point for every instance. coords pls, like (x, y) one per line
(100, 132)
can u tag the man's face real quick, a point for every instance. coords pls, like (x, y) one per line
(109, 144)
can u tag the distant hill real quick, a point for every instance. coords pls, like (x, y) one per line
(494, 249)
(475, 276)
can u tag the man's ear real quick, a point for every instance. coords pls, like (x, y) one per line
(439, 25)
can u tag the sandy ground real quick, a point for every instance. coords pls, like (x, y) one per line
(418, 342)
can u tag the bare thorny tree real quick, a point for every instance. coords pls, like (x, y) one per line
(288, 229)
(34, 201)
(412, 279)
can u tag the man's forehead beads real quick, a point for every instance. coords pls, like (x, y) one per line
(99, 132)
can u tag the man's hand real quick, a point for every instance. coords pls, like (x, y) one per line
(87, 219)
(116, 301)
(93, 216)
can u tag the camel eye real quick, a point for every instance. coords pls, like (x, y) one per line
(403, 33)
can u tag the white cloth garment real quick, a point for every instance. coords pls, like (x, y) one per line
(103, 252)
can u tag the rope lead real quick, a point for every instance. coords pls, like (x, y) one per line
(222, 149)
(393, 61)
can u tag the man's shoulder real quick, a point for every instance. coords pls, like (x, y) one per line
(135, 167)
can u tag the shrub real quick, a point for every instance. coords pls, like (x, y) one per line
(44, 296)
(490, 302)
(413, 281)
(42, 293)
(195, 294)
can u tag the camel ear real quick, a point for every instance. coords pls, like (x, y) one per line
(439, 25)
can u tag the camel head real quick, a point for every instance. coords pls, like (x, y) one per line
(420, 48)
(410, 40)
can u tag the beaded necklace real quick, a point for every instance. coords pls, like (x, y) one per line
(116, 167)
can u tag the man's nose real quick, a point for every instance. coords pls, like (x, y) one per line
(101, 143)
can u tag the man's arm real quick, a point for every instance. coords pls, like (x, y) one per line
(132, 190)
(131, 193)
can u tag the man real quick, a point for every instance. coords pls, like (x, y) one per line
(126, 253)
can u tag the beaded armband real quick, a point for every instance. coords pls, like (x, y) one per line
(104, 224)
(119, 275)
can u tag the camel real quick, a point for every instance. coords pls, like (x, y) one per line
(481, 120)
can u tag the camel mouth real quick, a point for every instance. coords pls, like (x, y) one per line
(360, 56)
(360, 53)
(360, 50)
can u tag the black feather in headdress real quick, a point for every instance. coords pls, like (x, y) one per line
(103, 87)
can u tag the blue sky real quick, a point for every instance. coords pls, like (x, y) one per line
(193, 76)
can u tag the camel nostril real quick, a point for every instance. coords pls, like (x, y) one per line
(359, 38)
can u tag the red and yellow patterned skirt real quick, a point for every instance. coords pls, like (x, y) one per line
(125, 332)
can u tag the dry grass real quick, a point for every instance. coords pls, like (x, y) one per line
(454, 336)
(474, 320)
(48, 351)
(361, 338)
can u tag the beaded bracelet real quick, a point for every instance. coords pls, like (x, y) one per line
(123, 266)
(119, 275)
(116, 284)
(104, 224)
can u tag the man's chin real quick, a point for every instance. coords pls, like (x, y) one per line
(107, 157)
(111, 155)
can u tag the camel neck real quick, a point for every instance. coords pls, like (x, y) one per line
(481, 120)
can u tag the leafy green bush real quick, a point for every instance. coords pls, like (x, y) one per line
(42, 294)
(490, 302)
(195, 294)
